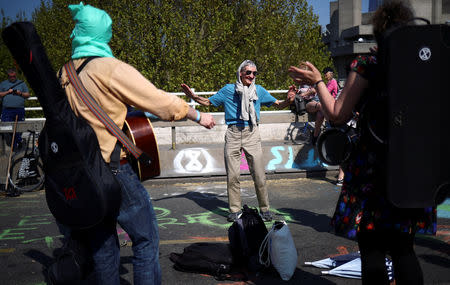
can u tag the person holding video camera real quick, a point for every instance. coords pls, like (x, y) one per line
(13, 93)
(363, 211)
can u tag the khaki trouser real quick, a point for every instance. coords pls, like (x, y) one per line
(248, 140)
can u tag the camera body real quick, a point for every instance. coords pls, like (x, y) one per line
(16, 93)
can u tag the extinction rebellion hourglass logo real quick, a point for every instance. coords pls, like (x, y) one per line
(425, 53)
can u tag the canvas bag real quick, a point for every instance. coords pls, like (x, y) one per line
(282, 253)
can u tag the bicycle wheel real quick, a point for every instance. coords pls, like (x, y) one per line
(300, 135)
(26, 173)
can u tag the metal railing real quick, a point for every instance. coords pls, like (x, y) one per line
(191, 103)
(267, 117)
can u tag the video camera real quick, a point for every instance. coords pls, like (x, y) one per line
(335, 145)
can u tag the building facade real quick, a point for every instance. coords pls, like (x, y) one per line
(349, 32)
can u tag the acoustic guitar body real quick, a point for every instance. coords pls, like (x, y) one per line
(140, 130)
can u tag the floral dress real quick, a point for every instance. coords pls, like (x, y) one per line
(362, 204)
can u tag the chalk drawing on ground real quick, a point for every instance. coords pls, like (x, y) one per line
(194, 160)
(284, 159)
(244, 163)
(214, 218)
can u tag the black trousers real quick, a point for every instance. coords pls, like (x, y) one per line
(373, 247)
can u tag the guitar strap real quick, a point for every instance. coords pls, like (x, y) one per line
(90, 102)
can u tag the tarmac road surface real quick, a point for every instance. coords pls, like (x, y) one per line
(194, 210)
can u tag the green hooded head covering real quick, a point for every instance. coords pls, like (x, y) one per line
(92, 31)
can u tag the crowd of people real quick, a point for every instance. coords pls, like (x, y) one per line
(363, 212)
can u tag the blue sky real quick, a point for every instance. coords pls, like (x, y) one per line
(12, 7)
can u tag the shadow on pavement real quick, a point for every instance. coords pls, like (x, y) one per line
(46, 261)
(299, 277)
(319, 222)
(208, 201)
(435, 245)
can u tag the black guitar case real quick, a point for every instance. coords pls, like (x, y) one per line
(81, 190)
(416, 60)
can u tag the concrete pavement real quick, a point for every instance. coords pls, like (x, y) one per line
(194, 209)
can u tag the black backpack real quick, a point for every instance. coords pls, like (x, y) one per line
(80, 188)
(208, 258)
(246, 235)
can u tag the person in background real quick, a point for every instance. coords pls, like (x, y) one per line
(316, 106)
(332, 84)
(115, 85)
(363, 210)
(13, 93)
(312, 101)
(242, 102)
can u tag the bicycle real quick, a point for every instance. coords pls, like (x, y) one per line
(301, 133)
(26, 173)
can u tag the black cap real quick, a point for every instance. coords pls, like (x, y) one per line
(326, 69)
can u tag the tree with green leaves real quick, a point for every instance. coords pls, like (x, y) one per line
(200, 42)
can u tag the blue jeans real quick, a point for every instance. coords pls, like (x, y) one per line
(138, 219)
(9, 115)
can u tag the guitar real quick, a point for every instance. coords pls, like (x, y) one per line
(140, 130)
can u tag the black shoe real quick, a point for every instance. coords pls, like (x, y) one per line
(266, 216)
(339, 182)
(232, 217)
(11, 191)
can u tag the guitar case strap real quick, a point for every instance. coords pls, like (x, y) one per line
(90, 102)
(114, 162)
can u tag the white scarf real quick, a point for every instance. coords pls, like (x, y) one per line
(247, 95)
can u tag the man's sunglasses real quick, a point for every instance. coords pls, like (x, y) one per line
(248, 72)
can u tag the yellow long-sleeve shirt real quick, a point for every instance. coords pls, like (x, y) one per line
(113, 84)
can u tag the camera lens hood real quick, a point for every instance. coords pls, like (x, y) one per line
(334, 146)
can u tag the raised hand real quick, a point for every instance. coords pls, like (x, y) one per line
(188, 91)
(199, 99)
(308, 76)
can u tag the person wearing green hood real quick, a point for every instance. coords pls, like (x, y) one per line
(115, 85)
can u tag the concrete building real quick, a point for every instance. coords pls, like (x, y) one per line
(349, 32)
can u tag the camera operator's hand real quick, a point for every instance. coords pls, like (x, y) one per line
(17, 92)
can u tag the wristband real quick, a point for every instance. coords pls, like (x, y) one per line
(198, 116)
(315, 84)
